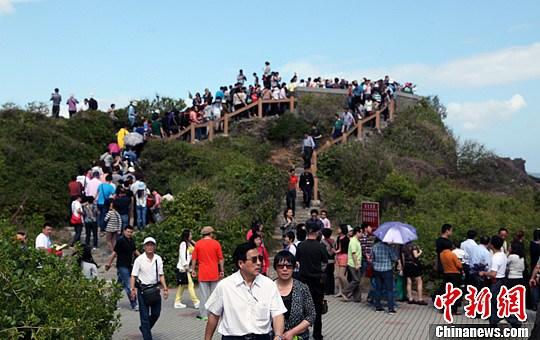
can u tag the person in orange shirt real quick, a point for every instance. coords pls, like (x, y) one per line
(452, 268)
(207, 257)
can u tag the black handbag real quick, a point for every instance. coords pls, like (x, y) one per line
(181, 277)
(151, 293)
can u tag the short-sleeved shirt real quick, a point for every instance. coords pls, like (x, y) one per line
(243, 309)
(105, 191)
(293, 182)
(145, 269)
(156, 128)
(43, 241)
(207, 253)
(311, 254)
(125, 250)
(498, 264)
(355, 250)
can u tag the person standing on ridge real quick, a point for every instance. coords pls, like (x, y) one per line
(56, 99)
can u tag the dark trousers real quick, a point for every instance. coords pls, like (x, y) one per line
(330, 283)
(56, 111)
(149, 316)
(308, 152)
(353, 288)
(91, 228)
(495, 288)
(78, 232)
(456, 280)
(307, 196)
(385, 285)
(317, 294)
(103, 210)
(291, 200)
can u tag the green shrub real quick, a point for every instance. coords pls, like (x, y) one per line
(38, 155)
(46, 297)
(320, 109)
(287, 127)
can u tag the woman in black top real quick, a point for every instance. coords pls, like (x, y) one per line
(342, 250)
(296, 297)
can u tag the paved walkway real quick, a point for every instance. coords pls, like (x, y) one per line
(343, 321)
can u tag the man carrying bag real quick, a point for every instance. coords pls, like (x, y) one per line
(148, 274)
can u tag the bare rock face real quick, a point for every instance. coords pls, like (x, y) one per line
(254, 127)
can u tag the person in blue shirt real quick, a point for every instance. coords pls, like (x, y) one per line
(104, 193)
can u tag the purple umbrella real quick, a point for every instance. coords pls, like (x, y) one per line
(396, 232)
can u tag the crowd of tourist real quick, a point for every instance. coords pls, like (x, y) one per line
(111, 197)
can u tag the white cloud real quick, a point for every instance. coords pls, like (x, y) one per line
(499, 67)
(6, 7)
(476, 115)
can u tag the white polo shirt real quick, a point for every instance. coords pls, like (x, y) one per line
(43, 241)
(145, 269)
(498, 264)
(243, 310)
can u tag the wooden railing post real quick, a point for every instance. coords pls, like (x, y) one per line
(391, 109)
(259, 108)
(378, 120)
(210, 130)
(344, 138)
(192, 130)
(291, 104)
(360, 130)
(226, 125)
(315, 177)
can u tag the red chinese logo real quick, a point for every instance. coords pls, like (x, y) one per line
(447, 300)
(478, 302)
(511, 302)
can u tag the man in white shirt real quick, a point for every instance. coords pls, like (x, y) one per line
(148, 271)
(497, 275)
(43, 240)
(469, 246)
(247, 305)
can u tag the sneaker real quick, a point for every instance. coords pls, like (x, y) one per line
(179, 305)
(392, 311)
(196, 305)
(203, 318)
(135, 309)
(379, 309)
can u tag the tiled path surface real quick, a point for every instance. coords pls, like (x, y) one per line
(343, 321)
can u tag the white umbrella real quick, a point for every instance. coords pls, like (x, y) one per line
(133, 138)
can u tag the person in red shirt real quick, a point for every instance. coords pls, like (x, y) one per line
(207, 257)
(291, 190)
(257, 240)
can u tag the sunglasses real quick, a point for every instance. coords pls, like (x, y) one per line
(254, 259)
(283, 266)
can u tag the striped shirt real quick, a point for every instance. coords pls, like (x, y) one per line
(114, 221)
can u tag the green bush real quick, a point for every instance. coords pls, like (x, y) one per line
(226, 184)
(38, 155)
(320, 109)
(46, 297)
(287, 127)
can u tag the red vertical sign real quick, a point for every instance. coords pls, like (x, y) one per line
(369, 211)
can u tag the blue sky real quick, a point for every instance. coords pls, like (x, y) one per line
(482, 58)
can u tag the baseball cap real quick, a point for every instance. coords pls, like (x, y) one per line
(349, 228)
(149, 239)
(207, 230)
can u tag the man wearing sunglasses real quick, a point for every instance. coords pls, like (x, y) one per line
(246, 305)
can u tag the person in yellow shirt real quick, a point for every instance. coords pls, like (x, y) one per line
(121, 134)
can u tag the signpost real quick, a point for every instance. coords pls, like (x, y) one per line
(369, 213)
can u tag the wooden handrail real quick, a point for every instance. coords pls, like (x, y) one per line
(225, 118)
